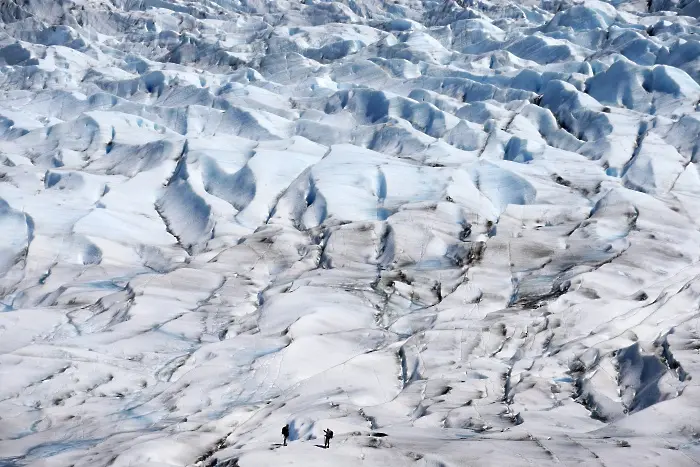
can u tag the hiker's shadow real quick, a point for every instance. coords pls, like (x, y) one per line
(320, 446)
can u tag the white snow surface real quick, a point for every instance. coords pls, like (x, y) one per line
(458, 233)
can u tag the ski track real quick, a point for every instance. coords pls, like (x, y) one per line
(454, 232)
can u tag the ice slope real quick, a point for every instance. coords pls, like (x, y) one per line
(455, 232)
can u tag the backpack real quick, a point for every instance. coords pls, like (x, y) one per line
(330, 434)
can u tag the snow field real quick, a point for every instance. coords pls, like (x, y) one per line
(456, 233)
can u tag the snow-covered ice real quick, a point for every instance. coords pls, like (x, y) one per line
(459, 232)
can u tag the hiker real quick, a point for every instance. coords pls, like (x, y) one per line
(285, 433)
(329, 435)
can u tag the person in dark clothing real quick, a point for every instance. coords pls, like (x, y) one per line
(329, 436)
(285, 433)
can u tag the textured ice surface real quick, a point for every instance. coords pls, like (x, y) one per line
(455, 232)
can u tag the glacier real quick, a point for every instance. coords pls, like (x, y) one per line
(456, 232)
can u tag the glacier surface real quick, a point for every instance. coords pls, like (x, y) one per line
(460, 232)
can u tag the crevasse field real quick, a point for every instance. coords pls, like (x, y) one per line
(456, 233)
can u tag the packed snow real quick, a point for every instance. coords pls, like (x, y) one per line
(460, 232)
